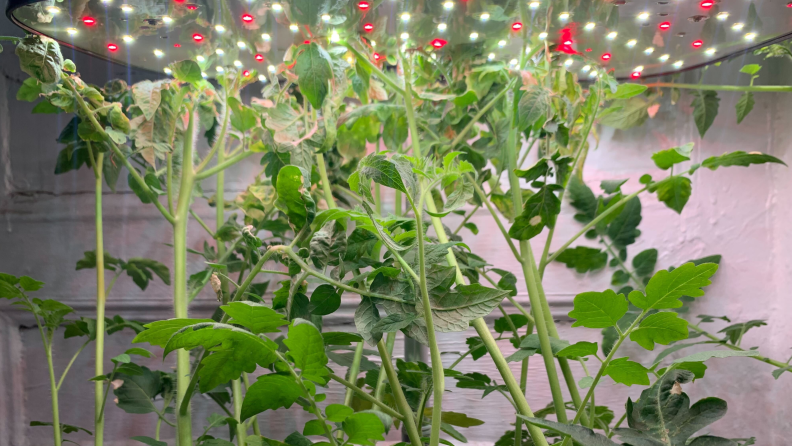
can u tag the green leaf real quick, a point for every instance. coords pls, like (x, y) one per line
(582, 435)
(502, 324)
(148, 96)
(314, 71)
(159, 333)
(751, 69)
(578, 349)
(307, 12)
(463, 191)
(703, 356)
(366, 318)
(187, 71)
(363, 428)
(627, 372)
(705, 108)
(532, 343)
(255, 317)
(149, 441)
(243, 118)
(139, 352)
(662, 328)
(674, 191)
(307, 350)
(583, 259)
(540, 210)
(739, 158)
(270, 392)
(395, 173)
(456, 418)
(736, 331)
(338, 412)
(45, 108)
(744, 105)
(394, 322)
(582, 199)
(137, 393)
(623, 230)
(626, 91)
(40, 57)
(340, 338)
(627, 113)
(453, 310)
(29, 284)
(142, 271)
(664, 159)
(644, 263)
(533, 104)
(294, 197)
(598, 309)
(612, 186)
(29, 91)
(665, 288)
(324, 300)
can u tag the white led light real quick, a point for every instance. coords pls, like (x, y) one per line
(262, 78)
(542, 35)
(649, 50)
(200, 58)
(441, 27)
(638, 69)
(294, 28)
(643, 16)
(513, 62)
(219, 51)
(325, 17)
(501, 43)
(434, 56)
(158, 53)
(589, 26)
(350, 60)
(737, 26)
(166, 19)
(167, 70)
(127, 8)
(534, 5)
(127, 38)
(107, 1)
(710, 51)
(473, 36)
(612, 35)
(265, 37)
(491, 56)
(271, 68)
(241, 44)
(563, 16)
(631, 43)
(663, 58)
(593, 74)
(373, 44)
(203, 74)
(220, 28)
(678, 64)
(277, 7)
(71, 31)
(405, 17)
(404, 36)
(52, 9)
(238, 64)
(219, 69)
(484, 17)
(568, 62)
(334, 37)
(585, 68)
(448, 6)
(722, 16)
(750, 36)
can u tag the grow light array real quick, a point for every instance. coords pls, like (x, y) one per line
(631, 39)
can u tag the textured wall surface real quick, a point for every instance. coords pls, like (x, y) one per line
(740, 213)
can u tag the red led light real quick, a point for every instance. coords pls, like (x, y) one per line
(198, 37)
(179, 1)
(665, 25)
(707, 4)
(568, 42)
(588, 50)
(789, 5)
(606, 56)
(368, 27)
(377, 56)
(177, 45)
(697, 44)
(364, 5)
(247, 18)
(112, 47)
(635, 74)
(516, 26)
(89, 21)
(306, 42)
(192, 7)
(259, 57)
(439, 43)
(246, 73)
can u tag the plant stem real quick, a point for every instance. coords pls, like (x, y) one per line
(390, 340)
(483, 197)
(241, 431)
(523, 386)
(615, 255)
(761, 358)
(326, 189)
(758, 89)
(467, 217)
(398, 395)
(353, 372)
(71, 362)
(183, 418)
(463, 134)
(53, 389)
(225, 165)
(364, 395)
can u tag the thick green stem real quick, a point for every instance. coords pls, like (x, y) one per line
(398, 395)
(364, 395)
(241, 430)
(508, 378)
(225, 165)
(100, 298)
(184, 418)
(326, 189)
(757, 89)
(53, 391)
(353, 372)
(523, 386)
(390, 341)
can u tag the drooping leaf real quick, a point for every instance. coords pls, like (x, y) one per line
(187, 71)
(270, 391)
(314, 70)
(582, 435)
(306, 348)
(243, 118)
(706, 355)
(540, 210)
(324, 300)
(739, 158)
(583, 259)
(294, 197)
(453, 310)
(705, 108)
(623, 230)
(744, 106)
(644, 263)
(533, 104)
(40, 57)
(582, 199)
(137, 393)
(598, 309)
(674, 191)
(366, 318)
